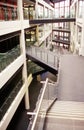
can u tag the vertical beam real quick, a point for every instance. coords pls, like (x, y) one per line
(22, 43)
(36, 9)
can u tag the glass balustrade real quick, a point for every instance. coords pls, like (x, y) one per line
(8, 97)
(44, 55)
(9, 57)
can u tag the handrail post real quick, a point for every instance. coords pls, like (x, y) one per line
(54, 60)
(47, 57)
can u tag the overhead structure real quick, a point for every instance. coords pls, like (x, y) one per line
(41, 21)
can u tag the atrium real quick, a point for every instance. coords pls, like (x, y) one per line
(41, 64)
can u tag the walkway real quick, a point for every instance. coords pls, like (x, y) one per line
(44, 58)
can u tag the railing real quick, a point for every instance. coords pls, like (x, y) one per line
(44, 55)
(8, 97)
(46, 98)
(8, 57)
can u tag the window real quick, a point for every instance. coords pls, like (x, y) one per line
(62, 4)
(46, 12)
(79, 32)
(81, 6)
(8, 10)
(62, 9)
(40, 11)
(66, 12)
(62, 12)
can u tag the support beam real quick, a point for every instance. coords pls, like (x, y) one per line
(58, 20)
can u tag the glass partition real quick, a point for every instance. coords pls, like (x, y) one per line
(44, 55)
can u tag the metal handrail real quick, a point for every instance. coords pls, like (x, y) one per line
(44, 55)
(43, 96)
(43, 49)
(39, 105)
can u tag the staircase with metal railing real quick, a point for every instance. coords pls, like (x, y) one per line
(44, 58)
(50, 113)
(46, 98)
(67, 112)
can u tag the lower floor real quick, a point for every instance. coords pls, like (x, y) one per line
(21, 119)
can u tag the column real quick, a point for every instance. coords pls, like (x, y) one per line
(22, 43)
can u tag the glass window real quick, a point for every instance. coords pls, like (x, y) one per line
(66, 12)
(80, 8)
(50, 14)
(67, 3)
(60, 25)
(62, 12)
(62, 4)
(57, 12)
(40, 11)
(62, 7)
(57, 5)
(46, 12)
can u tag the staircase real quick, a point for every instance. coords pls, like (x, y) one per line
(63, 115)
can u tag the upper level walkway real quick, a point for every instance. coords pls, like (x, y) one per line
(44, 58)
(54, 20)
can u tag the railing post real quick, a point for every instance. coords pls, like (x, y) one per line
(41, 54)
(36, 52)
(54, 60)
(47, 57)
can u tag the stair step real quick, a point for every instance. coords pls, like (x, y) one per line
(67, 109)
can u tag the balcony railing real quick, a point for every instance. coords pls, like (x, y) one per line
(44, 55)
(8, 97)
(8, 57)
